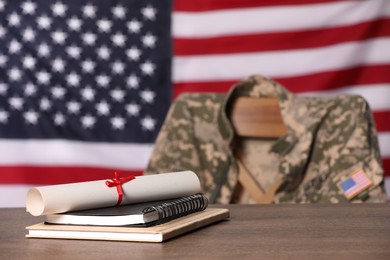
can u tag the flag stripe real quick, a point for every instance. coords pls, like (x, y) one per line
(56, 175)
(377, 95)
(276, 19)
(208, 5)
(384, 145)
(306, 83)
(281, 41)
(68, 153)
(275, 64)
(16, 195)
(381, 120)
(328, 80)
(386, 165)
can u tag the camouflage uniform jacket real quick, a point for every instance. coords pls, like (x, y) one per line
(327, 139)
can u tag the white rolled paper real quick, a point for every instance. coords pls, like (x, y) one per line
(94, 194)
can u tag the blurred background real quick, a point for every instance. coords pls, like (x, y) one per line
(85, 85)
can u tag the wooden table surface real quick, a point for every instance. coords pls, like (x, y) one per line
(311, 231)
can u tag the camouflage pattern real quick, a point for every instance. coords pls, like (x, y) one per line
(327, 140)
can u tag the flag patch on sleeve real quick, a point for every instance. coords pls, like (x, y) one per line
(355, 184)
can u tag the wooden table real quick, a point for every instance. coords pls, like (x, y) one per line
(313, 231)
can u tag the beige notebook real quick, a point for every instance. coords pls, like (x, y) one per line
(157, 233)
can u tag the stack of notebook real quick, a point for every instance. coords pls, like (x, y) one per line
(151, 208)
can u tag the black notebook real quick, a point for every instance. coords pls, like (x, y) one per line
(141, 214)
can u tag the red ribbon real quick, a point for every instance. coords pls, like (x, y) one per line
(117, 181)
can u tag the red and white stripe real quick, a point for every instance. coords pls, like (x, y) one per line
(313, 47)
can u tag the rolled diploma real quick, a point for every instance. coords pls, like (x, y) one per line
(94, 194)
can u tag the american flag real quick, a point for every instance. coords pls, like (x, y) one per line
(355, 184)
(85, 85)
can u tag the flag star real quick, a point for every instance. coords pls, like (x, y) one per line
(30, 89)
(149, 40)
(103, 108)
(149, 12)
(148, 68)
(59, 37)
(118, 39)
(133, 81)
(104, 25)
(59, 9)
(89, 38)
(74, 51)
(73, 79)
(88, 121)
(44, 22)
(29, 35)
(14, 46)
(118, 122)
(45, 104)
(88, 66)
(133, 53)
(88, 93)
(59, 119)
(118, 67)
(103, 80)
(148, 123)
(119, 11)
(31, 117)
(134, 26)
(133, 109)
(104, 52)
(58, 65)
(3, 60)
(147, 96)
(89, 11)
(117, 94)
(75, 24)
(16, 102)
(43, 77)
(3, 116)
(73, 107)
(14, 19)
(58, 92)
(28, 7)
(43, 50)
(29, 62)
(15, 74)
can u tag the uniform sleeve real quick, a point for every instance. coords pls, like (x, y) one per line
(174, 149)
(349, 143)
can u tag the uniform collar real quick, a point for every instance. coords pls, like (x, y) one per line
(257, 86)
(291, 170)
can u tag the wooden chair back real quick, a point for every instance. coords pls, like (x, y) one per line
(257, 117)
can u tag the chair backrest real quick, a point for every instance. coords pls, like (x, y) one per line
(257, 117)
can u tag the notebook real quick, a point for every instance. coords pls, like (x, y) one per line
(157, 233)
(148, 213)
